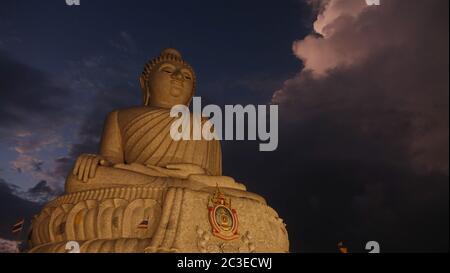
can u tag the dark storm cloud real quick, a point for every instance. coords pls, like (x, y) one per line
(41, 193)
(105, 101)
(385, 74)
(16, 204)
(38, 166)
(35, 111)
(26, 94)
(112, 83)
(364, 145)
(41, 188)
(32, 107)
(63, 165)
(22, 209)
(330, 184)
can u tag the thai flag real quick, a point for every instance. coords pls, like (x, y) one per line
(143, 224)
(18, 226)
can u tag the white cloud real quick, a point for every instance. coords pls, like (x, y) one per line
(8, 246)
(382, 68)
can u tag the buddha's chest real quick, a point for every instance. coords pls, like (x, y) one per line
(146, 139)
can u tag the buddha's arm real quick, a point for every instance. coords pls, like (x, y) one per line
(111, 151)
(111, 142)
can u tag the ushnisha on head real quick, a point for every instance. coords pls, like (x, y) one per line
(167, 80)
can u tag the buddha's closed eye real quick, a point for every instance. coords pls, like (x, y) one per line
(186, 74)
(167, 69)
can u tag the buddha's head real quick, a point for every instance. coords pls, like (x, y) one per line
(167, 80)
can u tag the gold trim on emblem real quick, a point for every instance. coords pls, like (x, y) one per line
(222, 217)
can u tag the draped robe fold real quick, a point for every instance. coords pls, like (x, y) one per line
(142, 135)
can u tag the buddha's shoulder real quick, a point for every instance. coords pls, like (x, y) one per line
(126, 115)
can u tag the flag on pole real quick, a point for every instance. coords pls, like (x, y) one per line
(143, 224)
(17, 227)
(342, 248)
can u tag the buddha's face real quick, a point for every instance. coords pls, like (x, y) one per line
(169, 84)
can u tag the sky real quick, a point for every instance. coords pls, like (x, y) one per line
(362, 93)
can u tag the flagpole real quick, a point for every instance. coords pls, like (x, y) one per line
(19, 233)
(18, 240)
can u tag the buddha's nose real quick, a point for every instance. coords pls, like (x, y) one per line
(177, 75)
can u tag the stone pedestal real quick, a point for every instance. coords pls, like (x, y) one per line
(177, 216)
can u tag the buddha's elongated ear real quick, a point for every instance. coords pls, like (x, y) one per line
(145, 91)
(142, 82)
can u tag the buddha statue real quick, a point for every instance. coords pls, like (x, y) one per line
(145, 192)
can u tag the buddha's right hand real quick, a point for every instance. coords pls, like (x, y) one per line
(87, 164)
(178, 170)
